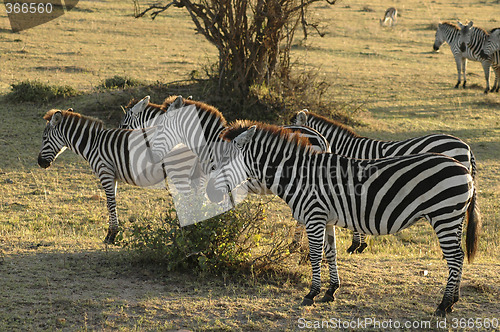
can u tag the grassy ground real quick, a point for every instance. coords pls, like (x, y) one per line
(55, 273)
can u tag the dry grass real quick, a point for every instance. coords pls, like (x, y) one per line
(57, 275)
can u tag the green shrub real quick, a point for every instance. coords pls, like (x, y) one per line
(35, 91)
(119, 82)
(239, 239)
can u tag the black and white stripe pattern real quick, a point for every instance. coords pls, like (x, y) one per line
(450, 33)
(491, 51)
(114, 154)
(380, 196)
(345, 142)
(197, 120)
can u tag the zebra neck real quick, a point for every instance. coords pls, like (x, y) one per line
(83, 138)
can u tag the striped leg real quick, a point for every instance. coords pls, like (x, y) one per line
(315, 235)
(330, 250)
(108, 183)
(358, 243)
(454, 255)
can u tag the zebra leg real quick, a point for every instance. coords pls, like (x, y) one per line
(330, 250)
(356, 241)
(315, 235)
(109, 185)
(464, 68)
(454, 255)
(458, 61)
(363, 244)
(486, 68)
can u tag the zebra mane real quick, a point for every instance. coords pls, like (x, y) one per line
(451, 25)
(199, 106)
(334, 123)
(134, 101)
(69, 114)
(268, 130)
(482, 30)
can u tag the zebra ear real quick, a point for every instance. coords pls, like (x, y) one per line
(56, 118)
(302, 117)
(245, 136)
(140, 106)
(470, 24)
(460, 24)
(178, 103)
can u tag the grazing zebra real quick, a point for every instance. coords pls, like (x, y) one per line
(211, 122)
(391, 16)
(181, 165)
(380, 196)
(450, 33)
(474, 39)
(345, 142)
(113, 154)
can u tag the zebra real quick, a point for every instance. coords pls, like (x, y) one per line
(143, 114)
(391, 16)
(113, 154)
(346, 142)
(181, 165)
(491, 51)
(475, 40)
(380, 196)
(450, 33)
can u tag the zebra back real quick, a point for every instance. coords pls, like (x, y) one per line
(346, 142)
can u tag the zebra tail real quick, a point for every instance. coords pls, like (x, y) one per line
(473, 166)
(473, 228)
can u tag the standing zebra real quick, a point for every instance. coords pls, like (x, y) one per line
(490, 48)
(345, 142)
(450, 33)
(474, 39)
(491, 51)
(380, 196)
(205, 122)
(113, 154)
(391, 16)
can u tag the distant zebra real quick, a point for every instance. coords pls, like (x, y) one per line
(474, 39)
(144, 114)
(491, 51)
(391, 16)
(345, 142)
(450, 33)
(113, 154)
(380, 196)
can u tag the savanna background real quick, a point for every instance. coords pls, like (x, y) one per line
(55, 272)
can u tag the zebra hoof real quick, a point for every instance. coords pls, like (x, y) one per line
(440, 313)
(352, 248)
(307, 302)
(361, 248)
(110, 237)
(328, 298)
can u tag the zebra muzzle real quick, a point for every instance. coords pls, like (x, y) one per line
(44, 163)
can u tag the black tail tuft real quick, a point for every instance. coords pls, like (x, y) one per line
(473, 228)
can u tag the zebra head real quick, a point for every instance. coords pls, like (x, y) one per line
(492, 44)
(168, 135)
(132, 114)
(231, 170)
(465, 35)
(300, 118)
(440, 38)
(53, 142)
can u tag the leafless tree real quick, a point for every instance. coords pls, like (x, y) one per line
(253, 37)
